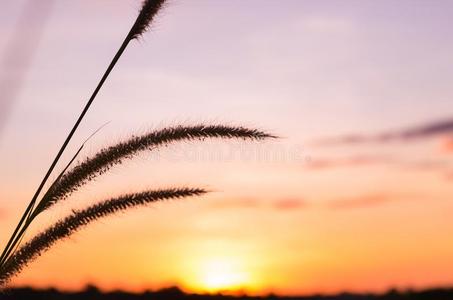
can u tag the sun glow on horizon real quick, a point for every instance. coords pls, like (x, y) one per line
(220, 274)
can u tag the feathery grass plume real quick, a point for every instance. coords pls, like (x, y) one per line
(105, 159)
(149, 9)
(145, 17)
(79, 219)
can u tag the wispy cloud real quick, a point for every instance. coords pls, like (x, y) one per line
(289, 204)
(350, 161)
(447, 144)
(360, 201)
(283, 204)
(368, 160)
(428, 130)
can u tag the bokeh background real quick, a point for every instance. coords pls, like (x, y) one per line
(355, 196)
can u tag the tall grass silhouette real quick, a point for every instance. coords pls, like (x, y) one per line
(17, 255)
(78, 219)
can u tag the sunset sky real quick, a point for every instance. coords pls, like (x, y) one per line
(356, 195)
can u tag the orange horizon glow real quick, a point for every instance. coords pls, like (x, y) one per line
(356, 195)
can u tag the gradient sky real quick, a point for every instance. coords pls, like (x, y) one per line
(294, 216)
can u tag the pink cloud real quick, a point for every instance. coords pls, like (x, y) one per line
(284, 204)
(360, 201)
(447, 144)
(353, 161)
(289, 204)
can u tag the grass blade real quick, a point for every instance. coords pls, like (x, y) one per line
(79, 219)
(149, 9)
(105, 159)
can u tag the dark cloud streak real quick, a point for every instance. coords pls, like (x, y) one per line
(436, 128)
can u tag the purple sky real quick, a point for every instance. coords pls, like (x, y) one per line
(305, 70)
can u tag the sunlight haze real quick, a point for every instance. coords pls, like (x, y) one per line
(355, 195)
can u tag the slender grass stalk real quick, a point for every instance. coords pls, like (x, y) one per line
(63, 172)
(105, 159)
(31, 215)
(16, 256)
(79, 219)
(149, 9)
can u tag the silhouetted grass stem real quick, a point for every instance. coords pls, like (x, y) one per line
(81, 218)
(149, 9)
(105, 159)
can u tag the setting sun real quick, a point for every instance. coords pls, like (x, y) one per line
(226, 150)
(221, 274)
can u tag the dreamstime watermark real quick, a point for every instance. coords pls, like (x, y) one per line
(276, 152)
